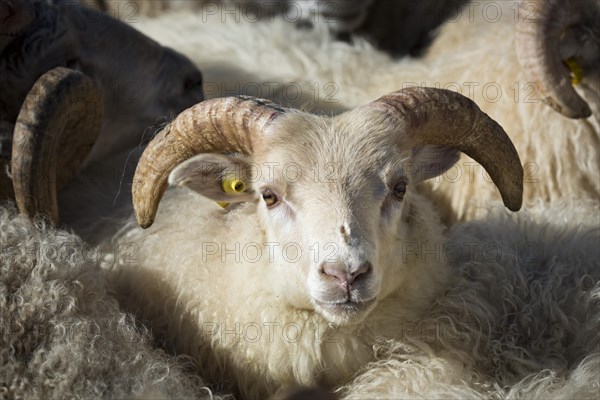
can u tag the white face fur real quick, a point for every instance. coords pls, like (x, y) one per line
(338, 196)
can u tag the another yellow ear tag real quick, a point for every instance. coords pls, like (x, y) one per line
(231, 185)
(576, 71)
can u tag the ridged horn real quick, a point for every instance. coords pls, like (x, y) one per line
(429, 116)
(231, 124)
(539, 28)
(56, 128)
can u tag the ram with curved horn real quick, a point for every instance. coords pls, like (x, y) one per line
(559, 154)
(558, 44)
(329, 218)
(237, 125)
(139, 84)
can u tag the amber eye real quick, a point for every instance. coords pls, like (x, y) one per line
(400, 189)
(270, 198)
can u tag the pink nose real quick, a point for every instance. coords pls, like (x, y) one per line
(343, 273)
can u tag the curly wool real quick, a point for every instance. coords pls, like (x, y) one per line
(407, 372)
(62, 334)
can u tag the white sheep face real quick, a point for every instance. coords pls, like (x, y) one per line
(339, 196)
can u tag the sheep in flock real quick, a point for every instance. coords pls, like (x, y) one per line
(73, 78)
(330, 265)
(473, 54)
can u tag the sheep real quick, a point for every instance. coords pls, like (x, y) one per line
(320, 74)
(553, 147)
(139, 81)
(576, 30)
(328, 247)
(62, 334)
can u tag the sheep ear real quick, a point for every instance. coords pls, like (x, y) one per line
(430, 161)
(220, 178)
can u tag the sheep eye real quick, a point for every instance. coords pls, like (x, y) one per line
(400, 189)
(270, 198)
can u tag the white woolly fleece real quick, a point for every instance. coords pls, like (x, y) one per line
(520, 319)
(520, 315)
(62, 334)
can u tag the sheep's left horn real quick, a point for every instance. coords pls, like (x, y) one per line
(56, 128)
(230, 124)
(539, 28)
(442, 117)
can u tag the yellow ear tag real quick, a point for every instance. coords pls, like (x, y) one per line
(576, 71)
(231, 185)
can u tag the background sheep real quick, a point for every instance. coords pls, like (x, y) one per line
(63, 334)
(148, 82)
(558, 44)
(140, 81)
(262, 315)
(320, 74)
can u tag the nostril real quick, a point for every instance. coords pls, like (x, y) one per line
(361, 271)
(343, 274)
(335, 270)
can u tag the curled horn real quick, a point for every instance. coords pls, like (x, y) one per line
(537, 44)
(57, 126)
(232, 124)
(429, 116)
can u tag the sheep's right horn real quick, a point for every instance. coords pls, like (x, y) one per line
(231, 124)
(429, 116)
(537, 40)
(57, 126)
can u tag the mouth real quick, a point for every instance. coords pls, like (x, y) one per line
(345, 311)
